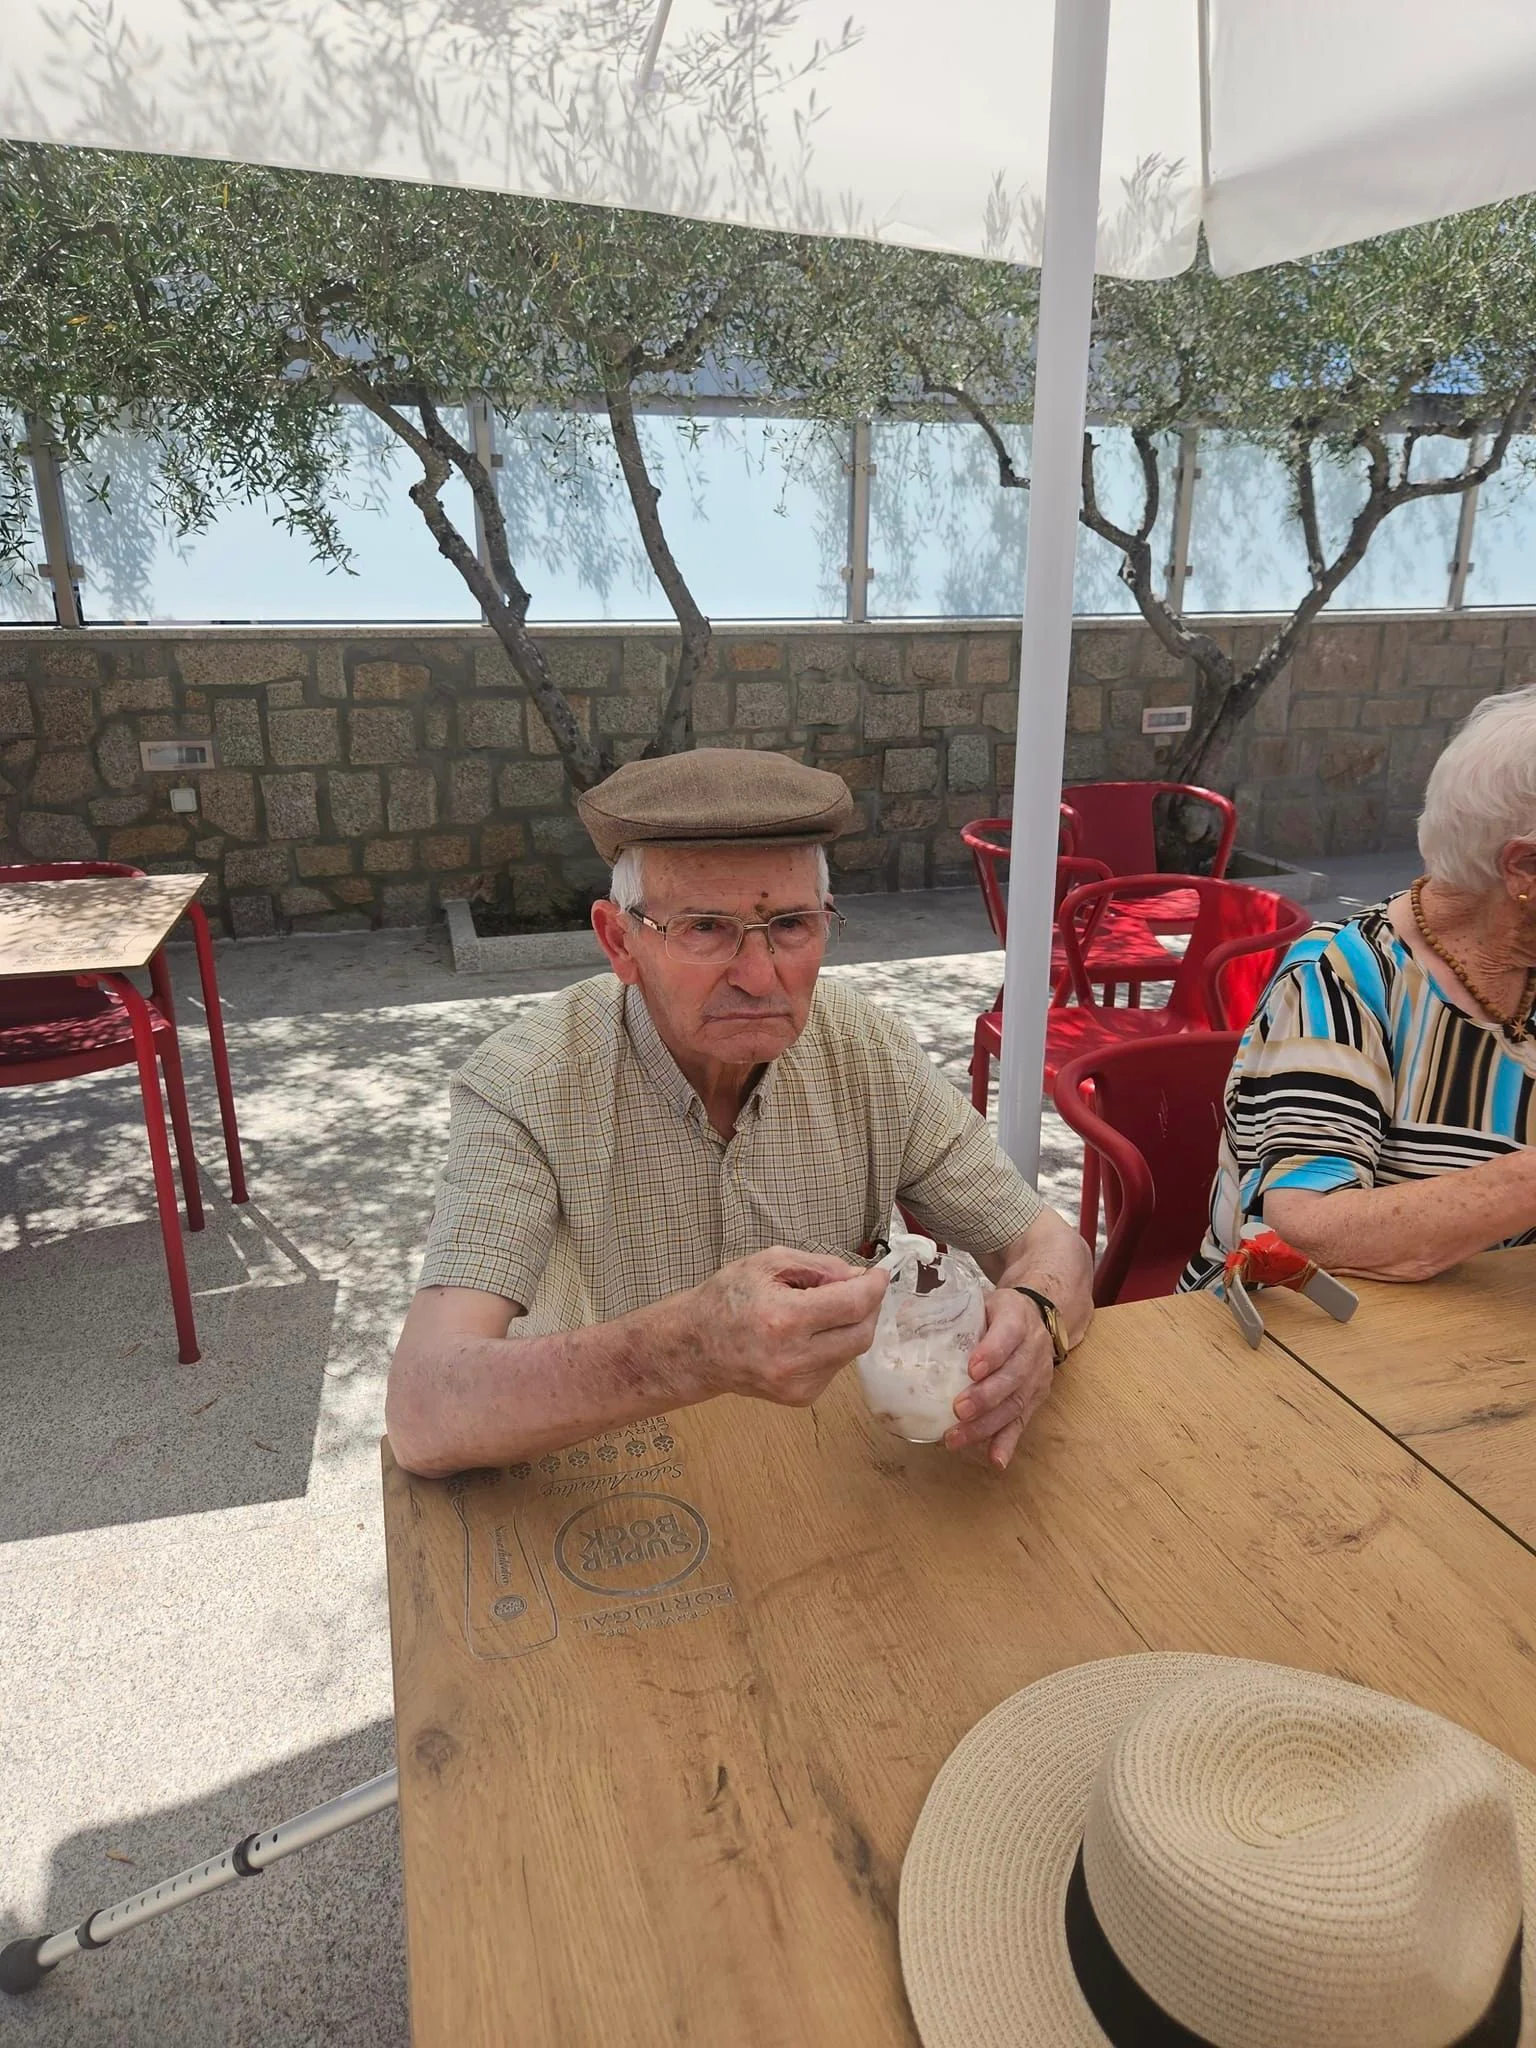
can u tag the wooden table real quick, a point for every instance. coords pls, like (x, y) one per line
(667, 1706)
(97, 925)
(1448, 1368)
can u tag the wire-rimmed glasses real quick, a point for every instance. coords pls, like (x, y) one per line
(711, 938)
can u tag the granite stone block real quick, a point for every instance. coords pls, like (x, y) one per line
(237, 733)
(63, 778)
(56, 835)
(380, 733)
(291, 808)
(357, 803)
(308, 735)
(412, 799)
(228, 802)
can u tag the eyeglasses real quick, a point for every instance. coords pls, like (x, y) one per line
(712, 940)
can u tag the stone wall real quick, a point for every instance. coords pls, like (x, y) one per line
(366, 776)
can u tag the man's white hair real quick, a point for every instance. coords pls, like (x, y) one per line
(1482, 793)
(627, 886)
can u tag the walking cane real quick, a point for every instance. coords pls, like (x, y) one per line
(25, 1963)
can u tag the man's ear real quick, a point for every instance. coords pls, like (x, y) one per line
(613, 932)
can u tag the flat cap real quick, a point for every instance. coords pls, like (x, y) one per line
(713, 796)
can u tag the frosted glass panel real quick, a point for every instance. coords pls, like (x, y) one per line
(1246, 552)
(754, 510)
(25, 597)
(244, 567)
(1246, 546)
(947, 540)
(1120, 485)
(1407, 566)
(1504, 537)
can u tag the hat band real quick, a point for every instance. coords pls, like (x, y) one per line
(1132, 2019)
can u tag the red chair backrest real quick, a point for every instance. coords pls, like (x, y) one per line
(1155, 1118)
(1116, 822)
(991, 843)
(1238, 939)
(33, 998)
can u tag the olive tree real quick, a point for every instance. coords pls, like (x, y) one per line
(229, 313)
(1343, 366)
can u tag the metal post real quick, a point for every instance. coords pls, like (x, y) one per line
(1079, 58)
(1188, 475)
(1461, 565)
(59, 564)
(858, 572)
(482, 440)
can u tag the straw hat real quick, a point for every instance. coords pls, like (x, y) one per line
(1201, 1850)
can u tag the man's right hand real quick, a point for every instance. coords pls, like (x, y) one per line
(778, 1325)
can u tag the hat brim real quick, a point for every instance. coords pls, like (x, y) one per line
(983, 1884)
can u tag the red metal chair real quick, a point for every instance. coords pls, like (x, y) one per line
(53, 1027)
(1151, 1111)
(1238, 937)
(1116, 823)
(1123, 949)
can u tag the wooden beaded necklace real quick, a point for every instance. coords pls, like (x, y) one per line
(1516, 1021)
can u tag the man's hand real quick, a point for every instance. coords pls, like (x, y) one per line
(777, 1325)
(1011, 1370)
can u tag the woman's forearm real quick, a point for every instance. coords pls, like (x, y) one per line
(1414, 1230)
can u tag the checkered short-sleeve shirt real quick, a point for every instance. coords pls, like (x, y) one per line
(584, 1180)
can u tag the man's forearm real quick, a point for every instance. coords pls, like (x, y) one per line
(1412, 1231)
(462, 1401)
(1052, 1258)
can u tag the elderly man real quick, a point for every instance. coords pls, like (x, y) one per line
(669, 1171)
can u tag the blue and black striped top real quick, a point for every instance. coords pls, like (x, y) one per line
(1358, 1071)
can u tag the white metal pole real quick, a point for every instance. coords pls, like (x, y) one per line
(1079, 57)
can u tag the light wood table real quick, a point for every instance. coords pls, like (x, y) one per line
(101, 924)
(667, 1706)
(1449, 1368)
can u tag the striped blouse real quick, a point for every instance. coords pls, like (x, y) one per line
(1357, 1071)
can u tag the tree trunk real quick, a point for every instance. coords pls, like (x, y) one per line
(674, 730)
(498, 591)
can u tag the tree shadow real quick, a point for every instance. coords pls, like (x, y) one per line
(314, 1951)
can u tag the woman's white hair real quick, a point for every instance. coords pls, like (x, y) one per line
(627, 886)
(1482, 793)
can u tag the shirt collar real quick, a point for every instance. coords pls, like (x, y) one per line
(663, 1072)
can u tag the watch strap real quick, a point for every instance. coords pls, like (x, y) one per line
(1050, 1315)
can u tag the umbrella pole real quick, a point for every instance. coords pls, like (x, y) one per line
(1079, 58)
(24, 1963)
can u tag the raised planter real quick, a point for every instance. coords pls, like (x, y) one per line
(1266, 870)
(473, 954)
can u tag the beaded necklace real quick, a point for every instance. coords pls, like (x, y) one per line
(1516, 1021)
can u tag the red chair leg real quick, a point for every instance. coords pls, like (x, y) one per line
(981, 1073)
(1088, 1201)
(160, 1162)
(220, 1050)
(181, 1125)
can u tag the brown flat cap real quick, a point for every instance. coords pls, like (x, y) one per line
(712, 796)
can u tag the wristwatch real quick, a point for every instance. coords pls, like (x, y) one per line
(1050, 1315)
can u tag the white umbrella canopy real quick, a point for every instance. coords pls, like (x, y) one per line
(1328, 119)
(1055, 132)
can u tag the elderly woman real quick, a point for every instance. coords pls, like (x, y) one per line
(1382, 1107)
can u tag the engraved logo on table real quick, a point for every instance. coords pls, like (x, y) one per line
(643, 1453)
(632, 1545)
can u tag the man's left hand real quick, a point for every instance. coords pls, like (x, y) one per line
(1011, 1371)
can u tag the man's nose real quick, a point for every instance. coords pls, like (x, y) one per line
(754, 970)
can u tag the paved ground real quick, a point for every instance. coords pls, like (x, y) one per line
(193, 1637)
